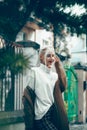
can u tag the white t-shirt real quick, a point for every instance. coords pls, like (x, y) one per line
(42, 80)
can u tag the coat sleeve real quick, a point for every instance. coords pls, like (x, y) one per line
(28, 108)
(61, 76)
(60, 115)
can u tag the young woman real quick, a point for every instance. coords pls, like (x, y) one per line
(43, 81)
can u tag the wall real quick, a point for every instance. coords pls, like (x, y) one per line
(82, 103)
(17, 126)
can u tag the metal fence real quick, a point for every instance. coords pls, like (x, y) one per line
(10, 97)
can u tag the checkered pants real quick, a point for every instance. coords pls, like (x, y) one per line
(46, 123)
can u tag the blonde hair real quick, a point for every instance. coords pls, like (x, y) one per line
(45, 51)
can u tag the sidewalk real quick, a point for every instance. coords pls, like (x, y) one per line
(78, 127)
(20, 126)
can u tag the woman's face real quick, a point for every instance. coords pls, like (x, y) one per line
(48, 59)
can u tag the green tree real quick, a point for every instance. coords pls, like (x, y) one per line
(14, 15)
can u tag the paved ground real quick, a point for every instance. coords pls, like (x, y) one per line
(20, 126)
(78, 127)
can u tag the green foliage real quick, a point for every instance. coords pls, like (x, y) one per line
(15, 13)
(14, 62)
(13, 16)
(53, 12)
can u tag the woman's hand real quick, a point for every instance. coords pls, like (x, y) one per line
(57, 62)
(61, 74)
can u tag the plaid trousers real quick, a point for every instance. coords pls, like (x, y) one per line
(46, 123)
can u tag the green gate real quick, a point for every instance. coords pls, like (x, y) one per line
(71, 94)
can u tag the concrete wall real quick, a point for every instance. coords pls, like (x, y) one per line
(86, 92)
(81, 96)
(17, 126)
